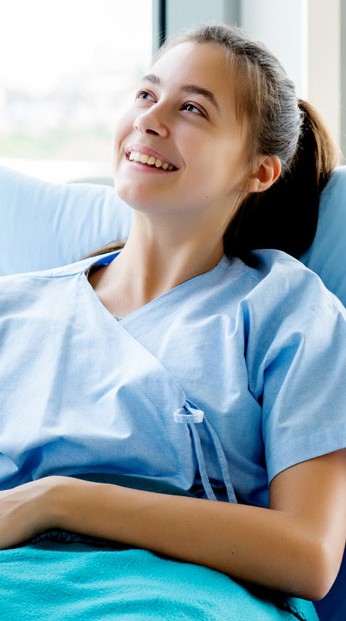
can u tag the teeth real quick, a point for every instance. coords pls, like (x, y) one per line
(150, 160)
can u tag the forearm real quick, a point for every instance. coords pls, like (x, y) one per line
(295, 546)
(260, 545)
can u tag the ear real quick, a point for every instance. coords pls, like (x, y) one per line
(267, 172)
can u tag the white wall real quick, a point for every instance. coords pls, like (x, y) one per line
(324, 61)
(186, 13)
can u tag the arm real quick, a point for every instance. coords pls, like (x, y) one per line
(295, 546)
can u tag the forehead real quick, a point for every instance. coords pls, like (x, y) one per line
(204, 64)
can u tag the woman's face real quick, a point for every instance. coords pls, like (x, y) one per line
(180, 147)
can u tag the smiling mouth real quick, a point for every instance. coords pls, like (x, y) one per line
(149, 160)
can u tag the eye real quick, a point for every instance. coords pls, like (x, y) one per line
(190, 107)
(144, 95)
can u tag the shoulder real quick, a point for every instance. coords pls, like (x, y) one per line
(285, 281)
(270, 264)
(277, 297)
(266, 265)
(38, 289)
(273, 286)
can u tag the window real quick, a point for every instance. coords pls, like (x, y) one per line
(70, 69)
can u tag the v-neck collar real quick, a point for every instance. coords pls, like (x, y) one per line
(157, 307)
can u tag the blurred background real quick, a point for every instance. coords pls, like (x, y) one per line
(69, 68)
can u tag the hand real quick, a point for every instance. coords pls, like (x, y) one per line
(26, 510)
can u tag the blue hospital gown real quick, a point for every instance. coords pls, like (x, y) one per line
(216, 386)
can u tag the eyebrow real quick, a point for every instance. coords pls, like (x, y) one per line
(194, 89)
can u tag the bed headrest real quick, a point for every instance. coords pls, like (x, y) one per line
(327, 253)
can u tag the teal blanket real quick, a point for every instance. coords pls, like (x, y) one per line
(61, 577)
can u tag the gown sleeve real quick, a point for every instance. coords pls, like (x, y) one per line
(297, 361)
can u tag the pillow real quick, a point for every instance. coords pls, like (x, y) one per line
(43, 225)
(327, 254)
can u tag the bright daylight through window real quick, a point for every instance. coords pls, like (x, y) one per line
(68, 69)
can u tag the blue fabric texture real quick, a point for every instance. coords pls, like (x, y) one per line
(43, 224)
(110, 398)
(87, 584)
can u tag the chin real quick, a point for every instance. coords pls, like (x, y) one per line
(133, 195)
(124, 190)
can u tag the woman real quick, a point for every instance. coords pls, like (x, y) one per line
(187, 358)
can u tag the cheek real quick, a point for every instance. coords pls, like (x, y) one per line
(122, 130)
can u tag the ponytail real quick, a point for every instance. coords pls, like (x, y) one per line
(285, 216)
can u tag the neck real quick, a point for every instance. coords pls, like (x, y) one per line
(153, 261)
(157, 260)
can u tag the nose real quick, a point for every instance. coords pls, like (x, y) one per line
(152, 122)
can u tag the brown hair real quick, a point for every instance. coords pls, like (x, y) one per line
(285, 216)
